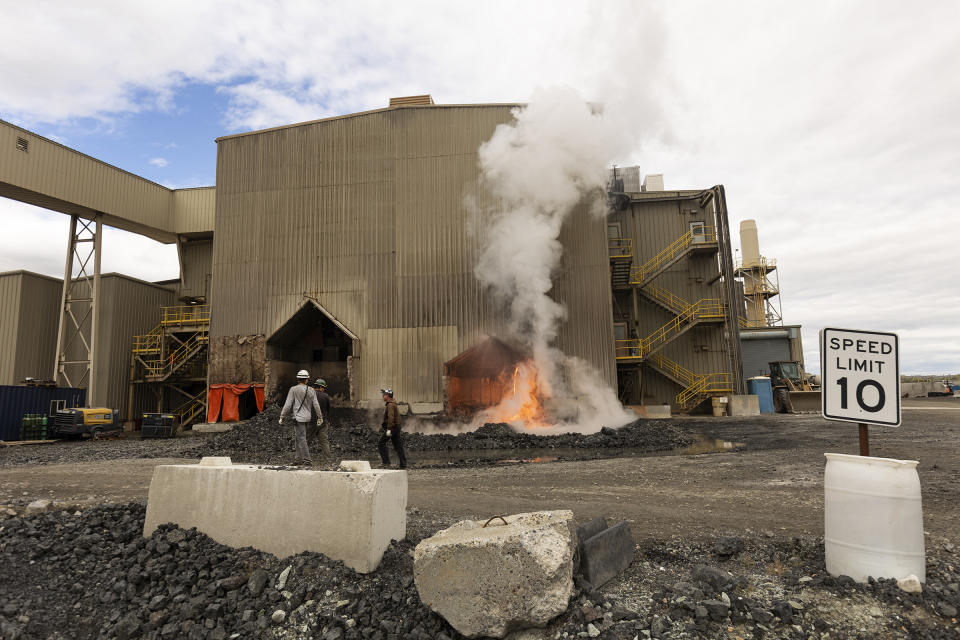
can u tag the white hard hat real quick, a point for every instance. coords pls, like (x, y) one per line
(303, 373)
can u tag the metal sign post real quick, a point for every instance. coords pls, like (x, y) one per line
(860, 373)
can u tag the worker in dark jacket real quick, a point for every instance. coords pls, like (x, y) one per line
(390, 430)
(321, 428)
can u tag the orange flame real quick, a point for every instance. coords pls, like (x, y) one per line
(521, 401)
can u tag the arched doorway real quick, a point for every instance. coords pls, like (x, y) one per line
(312, 339)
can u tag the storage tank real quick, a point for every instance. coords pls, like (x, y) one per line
(749, 243)
(873, 520)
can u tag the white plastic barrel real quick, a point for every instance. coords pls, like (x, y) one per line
(873, 519)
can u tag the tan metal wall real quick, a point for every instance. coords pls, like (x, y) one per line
(193, 210)
(29, 303)
(39, 316)
(196, 258)
(129, 307)
(367, 215)
(56, 177)
(652, 225)
(53, 176)
(9, 324)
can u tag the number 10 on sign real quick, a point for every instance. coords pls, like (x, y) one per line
(860, 373)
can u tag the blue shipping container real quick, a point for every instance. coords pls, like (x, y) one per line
(761, 387)
(15, 401)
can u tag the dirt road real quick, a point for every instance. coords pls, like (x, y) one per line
(774, 482)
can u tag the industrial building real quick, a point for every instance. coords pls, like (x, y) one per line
(347, 246)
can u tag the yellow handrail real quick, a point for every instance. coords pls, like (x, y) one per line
(620, 247)
(707, 385)
(708, 308)
(176, 357)
(678, 371)
(187, 314)
(666, 298)
(150, 342)
(698, 235)
(189, 409)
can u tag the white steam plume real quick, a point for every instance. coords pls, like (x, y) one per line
(553, 158)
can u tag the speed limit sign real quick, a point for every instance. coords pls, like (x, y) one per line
(860, 373)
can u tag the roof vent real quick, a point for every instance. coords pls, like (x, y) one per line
(410, 101)
(22, 144)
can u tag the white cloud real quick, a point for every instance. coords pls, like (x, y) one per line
(833, 124)
(159, 162)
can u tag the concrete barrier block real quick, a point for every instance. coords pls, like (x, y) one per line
(420, 408)
(744, 405)
(355, 465)
(347, 516)
(488, 581)
(606, 554)
(215, 461)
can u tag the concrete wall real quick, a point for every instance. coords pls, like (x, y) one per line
(29, 307)
(347, 516)
(366, 214)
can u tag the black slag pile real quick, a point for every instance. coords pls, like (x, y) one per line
(262, 440)
(93, 575)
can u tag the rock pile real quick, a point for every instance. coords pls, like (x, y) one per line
(90, 575)
(261, 440)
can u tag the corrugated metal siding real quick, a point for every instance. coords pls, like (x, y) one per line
(197, 259)
(53, 172)
(29, 308)
(193, 209)
(129, 307)
(15, 401)
(59, 178)
(407, 360)
(39, 317)
(653, 226)
(367, 215)
(758, 354)
(9, 324)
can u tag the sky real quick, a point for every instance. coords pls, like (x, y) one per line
(835, 125)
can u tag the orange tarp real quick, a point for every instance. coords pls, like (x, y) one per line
(229, 396)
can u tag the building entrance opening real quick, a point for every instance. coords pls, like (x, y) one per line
(314, 340)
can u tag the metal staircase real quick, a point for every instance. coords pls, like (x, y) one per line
(621, 261)
(663, 298)
(173, 356)
(710, 385)
(158, 370)
(706, 310)
(696, 387)
(192, 409)
(699, 238)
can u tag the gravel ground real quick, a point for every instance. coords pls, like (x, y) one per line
(90, 574)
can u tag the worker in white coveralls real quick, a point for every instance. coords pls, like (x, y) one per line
(302, 404)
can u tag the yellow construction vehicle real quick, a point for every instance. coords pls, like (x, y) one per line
(93, 423)
(792, 389)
